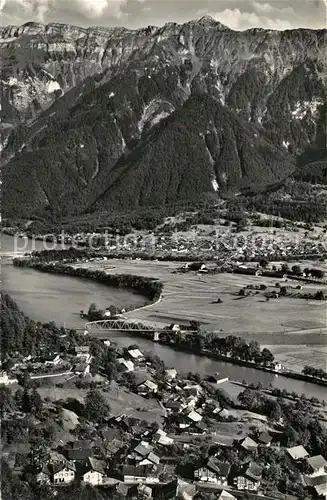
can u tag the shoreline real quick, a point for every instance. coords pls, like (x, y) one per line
(103, 277)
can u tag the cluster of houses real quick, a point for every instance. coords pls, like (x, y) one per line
(249, 246)
(77, 362)
(144, 463)
(313, 468)
(134, 460)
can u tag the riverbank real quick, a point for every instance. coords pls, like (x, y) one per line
(239, 362)
(150, 288)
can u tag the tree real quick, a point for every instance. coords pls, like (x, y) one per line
(247, 398)
(264, 262)
(35, 401)
(320, 295)
(26, 402)
(96, 408)
(296, 270)
(25, 380)
(317, 273)
(7, 402)
(18, 397)
(285, 268)
(266, 356)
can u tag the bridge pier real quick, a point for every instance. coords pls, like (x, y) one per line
(155, 336)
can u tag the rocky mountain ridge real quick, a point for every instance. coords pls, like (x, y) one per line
(83, 110)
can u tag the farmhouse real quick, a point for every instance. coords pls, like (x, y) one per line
(135, 474)
(249, 444)
(225, 495)
(52, 359)
(213, 471)
(126, 365)
(194, 416)
(95, 474)
(249, 478)
(147, 387)
(171, 374)
(297, 452)
(135, 354)
(317, 465)
(63, 473)
(217, 378)
(5, 380)
(264, 439)
(82, 369)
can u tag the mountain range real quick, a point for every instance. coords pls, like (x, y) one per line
(118, 119)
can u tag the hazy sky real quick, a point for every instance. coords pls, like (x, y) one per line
(237, 14)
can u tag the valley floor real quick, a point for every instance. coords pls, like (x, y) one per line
(294, 329)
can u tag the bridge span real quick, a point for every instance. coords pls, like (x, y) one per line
(125, 325)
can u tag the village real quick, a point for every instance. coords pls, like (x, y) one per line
(182, 238)
(199, 441)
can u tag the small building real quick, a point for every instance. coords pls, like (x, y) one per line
(264, 439)
(147, 387)
(174, 327)
(318, 485)
(126, 365)
(297, 452)
(317, 465)
(250, 271)
(6, 380)
(150, 459)
(193, 389)
(216, 378)
(171, 374)
(200, 428)
(136, 354)
(63, 473)
(127, 490)
(95, 474)
(195, 266)
(225, 495)
(161, 437)
(249, 478)
(52, 359)
(82, 350)
(79, 455)
(194, 416)
(213, 471)
(174, 406)
(142, 450)
(45, 474)
(249, 444)
(82, 369)
(136, 474)
(185, 490)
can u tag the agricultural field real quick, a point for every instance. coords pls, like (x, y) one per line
(294, 329)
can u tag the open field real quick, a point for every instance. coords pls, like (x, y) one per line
(119, 400)
(295, 329)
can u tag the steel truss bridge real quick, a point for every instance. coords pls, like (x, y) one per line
(120, 325)
(123, 325)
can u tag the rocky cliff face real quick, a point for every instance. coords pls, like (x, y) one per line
(89, 108)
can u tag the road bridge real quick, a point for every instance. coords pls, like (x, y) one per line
(124, 325)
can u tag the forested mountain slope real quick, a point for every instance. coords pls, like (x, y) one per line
(113, 118)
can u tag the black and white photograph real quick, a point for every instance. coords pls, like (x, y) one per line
(163, 180)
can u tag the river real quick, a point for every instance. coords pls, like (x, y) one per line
(47, 297)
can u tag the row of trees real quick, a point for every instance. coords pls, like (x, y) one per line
(314, 372)
(231, 346)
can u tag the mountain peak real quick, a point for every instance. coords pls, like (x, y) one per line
(211, 21)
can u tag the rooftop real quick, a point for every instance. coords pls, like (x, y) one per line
(317, 462)
(297, 452)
